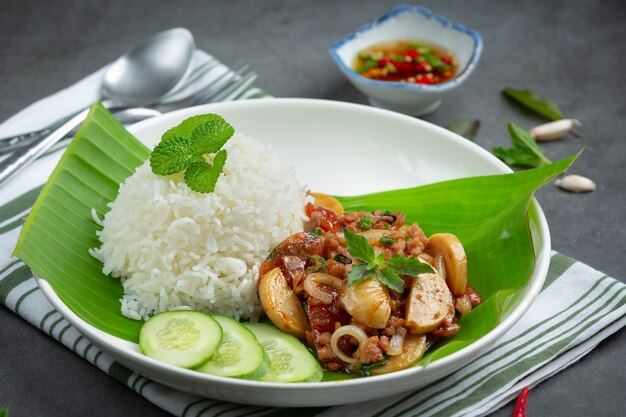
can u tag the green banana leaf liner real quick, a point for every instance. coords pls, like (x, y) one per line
(489, 214)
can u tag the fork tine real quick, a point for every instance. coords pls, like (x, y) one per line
(235, 89)
(221, 84)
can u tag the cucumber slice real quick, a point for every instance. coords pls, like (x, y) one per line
(183, 338)
(239, 355)
(290, 361)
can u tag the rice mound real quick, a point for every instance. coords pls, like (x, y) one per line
(175, 248)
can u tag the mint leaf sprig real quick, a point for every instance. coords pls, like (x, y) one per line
(376, 266)
(183, 148)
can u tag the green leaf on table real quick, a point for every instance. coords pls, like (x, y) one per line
(464, 127)
(540, 105)
(525, 151)
(4, 412)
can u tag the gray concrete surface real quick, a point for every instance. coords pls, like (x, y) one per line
(571, 51)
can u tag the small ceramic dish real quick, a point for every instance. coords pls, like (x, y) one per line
(413, 23)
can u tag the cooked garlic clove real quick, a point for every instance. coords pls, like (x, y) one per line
(575, 184)
(553, 130)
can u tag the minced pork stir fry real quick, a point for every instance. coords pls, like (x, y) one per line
(368, 292)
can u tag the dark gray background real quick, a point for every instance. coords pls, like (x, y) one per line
(571, 51)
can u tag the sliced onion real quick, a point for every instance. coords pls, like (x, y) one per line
(441, 266)
(348, 330)
(374, 234)
(312, 286)
(397, 342)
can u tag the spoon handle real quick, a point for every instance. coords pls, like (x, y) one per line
(21, 158)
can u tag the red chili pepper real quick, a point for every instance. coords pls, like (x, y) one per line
(445, 59)
(404, 67)
(520, 404)
(421, 67)
(383, 62)
(413, 53)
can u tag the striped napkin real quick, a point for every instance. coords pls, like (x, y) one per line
(577, 308)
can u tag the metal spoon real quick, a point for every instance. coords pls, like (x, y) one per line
(141, 76)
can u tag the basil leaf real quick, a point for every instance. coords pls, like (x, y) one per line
(525, 151)
(409, 266)
(389, 277)
(464, 127)
(359, 247)
(360, 272)
(540, 105)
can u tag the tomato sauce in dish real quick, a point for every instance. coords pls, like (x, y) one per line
(407, 61)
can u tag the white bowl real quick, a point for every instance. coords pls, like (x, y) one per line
(415, 23)
(315, 136)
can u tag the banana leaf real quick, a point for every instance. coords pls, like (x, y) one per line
(489, 214)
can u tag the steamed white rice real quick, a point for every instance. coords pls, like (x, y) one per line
(174, 248)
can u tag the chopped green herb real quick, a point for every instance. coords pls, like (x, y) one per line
(375, 266)
(183, 148)
(540, 105)
(464, 127)
(387, 240)
(318, 231)
(342, 259)
(272, 253)
(368, 66)
(317, 263)
(364, 55)
(366, 370)
(433, 60)
(386, 226)
(525, 151)
(366, 222)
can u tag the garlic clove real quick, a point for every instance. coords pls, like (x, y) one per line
(553, 130)
(575, 184)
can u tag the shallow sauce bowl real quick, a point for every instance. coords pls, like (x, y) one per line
(417, 24)
(343, 149)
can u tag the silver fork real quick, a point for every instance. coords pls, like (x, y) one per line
(229, 86)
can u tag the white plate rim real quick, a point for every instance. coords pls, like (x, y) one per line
(463, 355)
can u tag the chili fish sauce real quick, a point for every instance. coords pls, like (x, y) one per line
(407, 61)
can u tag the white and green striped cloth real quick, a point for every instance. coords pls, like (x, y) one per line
(577, 308)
